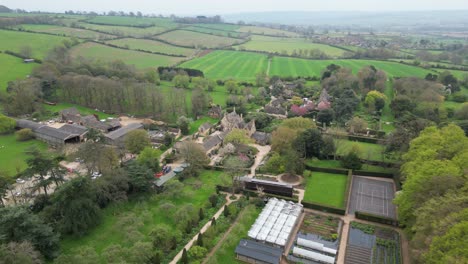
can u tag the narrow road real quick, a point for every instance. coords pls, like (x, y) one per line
(202, 230)
(262, 152)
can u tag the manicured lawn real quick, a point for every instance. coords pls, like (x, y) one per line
(326, 188)
(13, 68)
(368, 151)
(12, 156)
(283, 66)
(151, 45)
(335, 164)
(196, 124)
(83, 110)
(149, 214)
(40, 44)
(225, 254)
(267, 31)
(67, 31)
(230, 64)
(139, 59)
(194, 39)
(288, 45)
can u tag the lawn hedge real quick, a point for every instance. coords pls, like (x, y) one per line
(374, 174)
(376, 218)
(327, 170)
(324, 208)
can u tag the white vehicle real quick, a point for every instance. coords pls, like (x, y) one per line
(19, 180)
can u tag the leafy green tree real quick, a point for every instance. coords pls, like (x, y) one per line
(200, 102)
(19, 253)
(238, 136)
(374, 101)
(17, 224)
(24, 134)
(193, 154)
(231, 86)
(197, 253)
(74, 208)
(261, 79)
(351, 161)
(83, 255)
(149, 157)
(136, 141)
(184, 259)
(140, 177)
(262, 120)
(181, 81)
(449, 247)
(326, 116)
(7, 124)
(184, 125)
(39, 166)
(309, 143)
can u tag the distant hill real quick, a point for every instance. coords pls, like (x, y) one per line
(368, 19)
(4, 9)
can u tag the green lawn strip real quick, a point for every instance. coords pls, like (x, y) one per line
(368, 151)
(139, 59)
(12, 153)
(124, 31)
(83, 110)
(13, 68)
(335, 164)
(196, 124)
(190, 38)
(40, 44)
(326, 188)
(109, 231)
(225, 254)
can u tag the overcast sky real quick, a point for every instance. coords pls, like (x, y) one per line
(233, 6)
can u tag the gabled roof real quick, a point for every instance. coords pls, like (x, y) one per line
(74, 129)
(70, 111)
(121, 132)
(23, 123)
(261, 136)
(55, 133)
(212, 142)
(259, 251)
(206, 126)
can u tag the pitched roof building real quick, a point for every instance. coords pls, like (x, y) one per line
(50, 135)
(233, 120)
(118, 135)
(255, 252)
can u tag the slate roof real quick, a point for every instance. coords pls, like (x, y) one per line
(259, 251)
(261, 137)
(206, 126)
(275, 110)
(55, 133)
(212, 142)
(74, 129)
(23, 123)
(121, 132)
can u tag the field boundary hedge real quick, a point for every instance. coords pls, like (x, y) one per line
(328, 170)
(254, 193)
(9, 52)
(324, 208)
(117, 25)
(374, 174)
(139, 50)
(212, 34)
(376, 218)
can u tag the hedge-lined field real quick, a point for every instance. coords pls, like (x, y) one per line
(132, 21)
(139, 59)
(283, 66)
(218, 32)
(40, 44)
(230, 64)
(288, 45)
(326, 188)
(151, 45)
(125, 31)
(267, 31)
(67, 31)
(194, 39)
(13, 68)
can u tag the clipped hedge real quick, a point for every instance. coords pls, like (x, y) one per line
(324, 208)
(376, 218)
(374, 174)
(348, 188)
(329, 170)
(190, 72)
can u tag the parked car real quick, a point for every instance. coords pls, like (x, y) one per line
(19, 180)
(158, 175)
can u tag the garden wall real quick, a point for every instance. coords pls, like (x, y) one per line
(329, 170)
(376, 218)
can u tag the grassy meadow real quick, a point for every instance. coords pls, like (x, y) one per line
(139, 59)
(124, 31)
(13, 68)
(326, 188)
(367, 151)
(40, 44)
(267, 31)
(218, 32)
(151, 45)
(67, 31)
(132, 21)
(12, 153)
(195, 39)
(230, 64)
(288, 46)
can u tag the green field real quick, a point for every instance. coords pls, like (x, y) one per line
(225, 254)
(83, 110)
(13, 68)
(326, 188)
(368, 151)
(139, 59)
(267, 31)
(225, 27)
(40, 44)
(336, 164)
(132, 21)
(287, 46)
(218, 32)
(67, 31)
(230, 64)
(111, 231)
(196, 124)
(12, 156)
(283, 66)
(125, 31)
(151, 45)
(194, 39)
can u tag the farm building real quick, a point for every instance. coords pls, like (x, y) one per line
(261, 138)
(73, 116)
(75, 129)
(215, 112)
(314, 251)
(50, 135)
(255, 252)
(275, 224)
(272, 187)
(117, 136)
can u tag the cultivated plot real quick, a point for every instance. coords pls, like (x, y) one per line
(373, 197)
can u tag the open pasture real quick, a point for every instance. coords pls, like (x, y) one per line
(225, 27)
(288, 46)
(67, 31)
(40, 44)
(218, 32)
(230, 64)
(139, 59)
(326, 188)
(267, 31)
(13, 68)
(194, 39)
(283, 66)
(132, 21)
(151, 45)
(123, 31)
